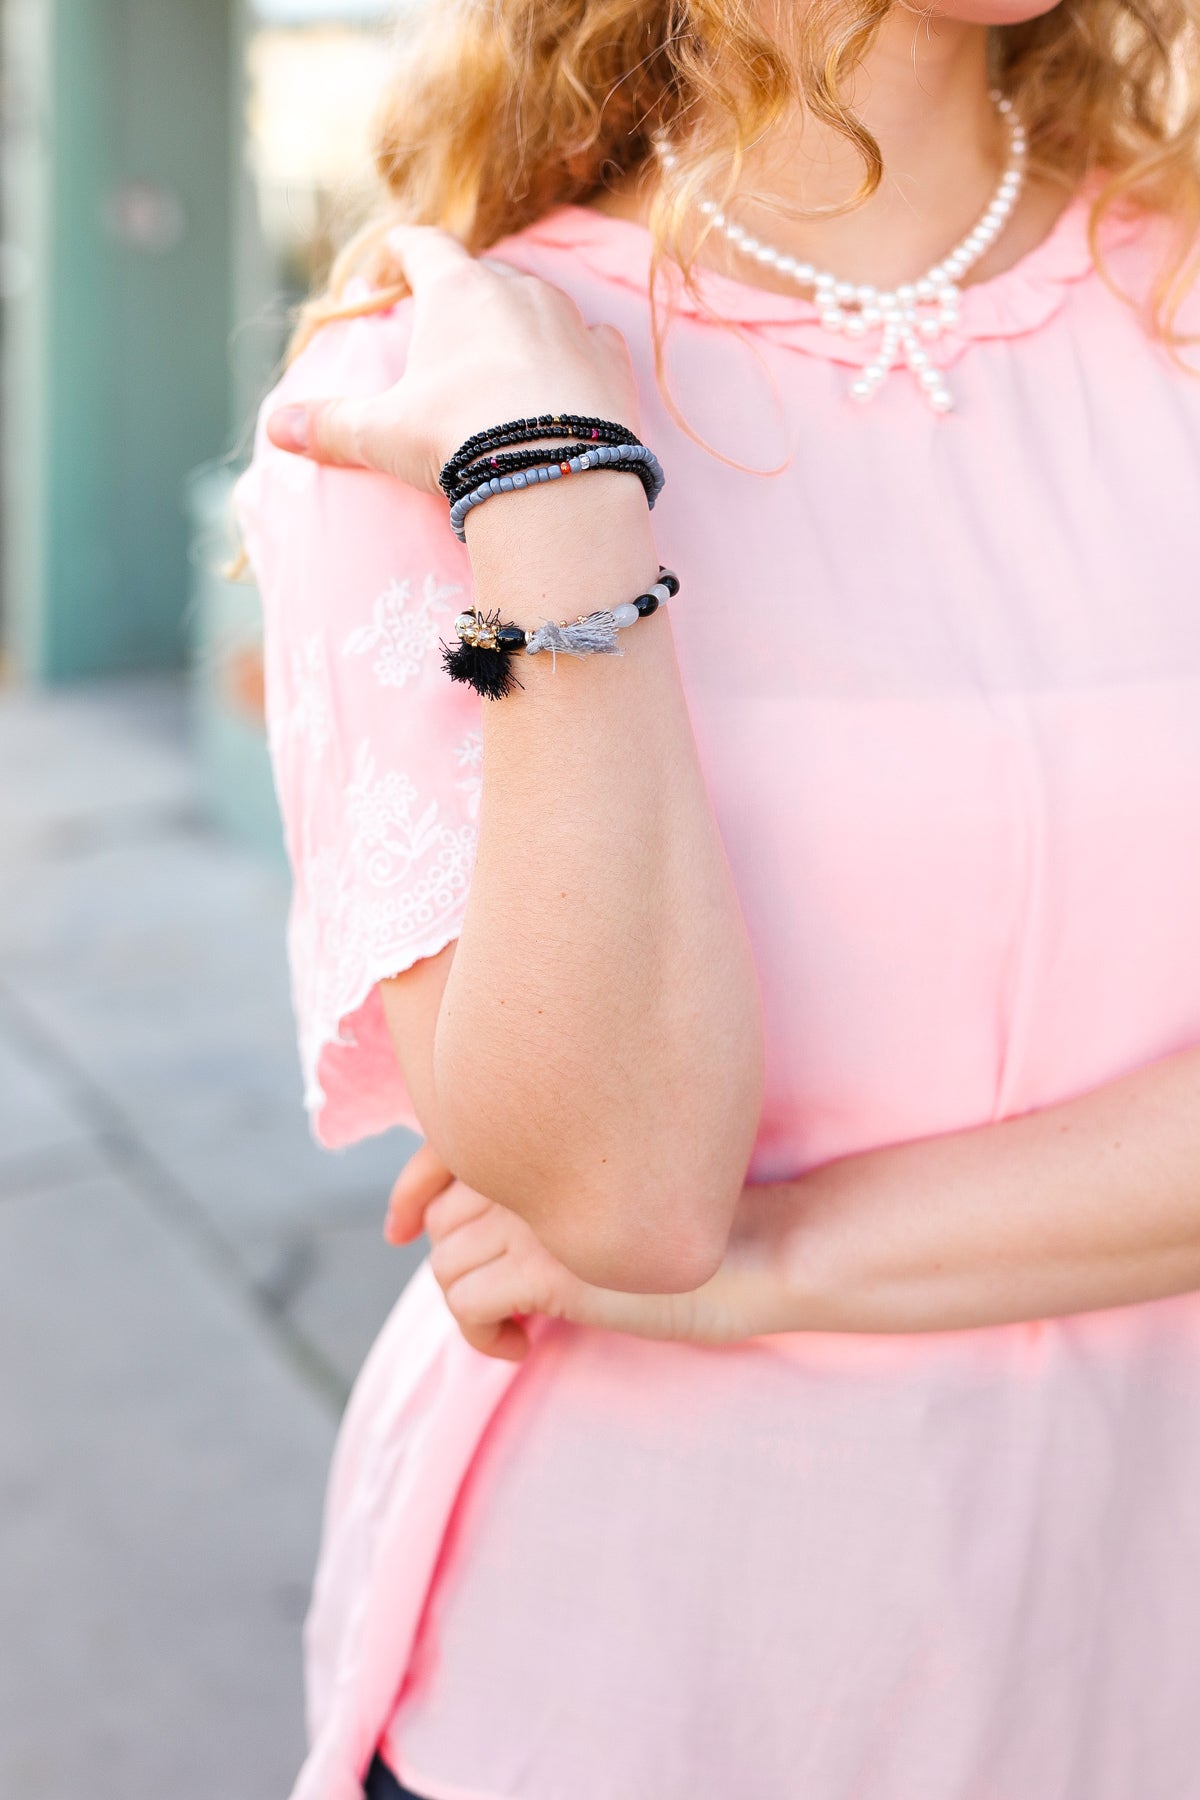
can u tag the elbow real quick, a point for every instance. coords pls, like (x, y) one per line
(642, 1254)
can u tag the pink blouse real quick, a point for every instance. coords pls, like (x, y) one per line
(944, 674)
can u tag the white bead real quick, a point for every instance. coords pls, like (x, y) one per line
(930, 378)
(708, 208)
(936, 275)
(925, 288)
(862, 388)
(765, 254)
(929, 328)
(464, 622)
(942, 400)
(832, 317)
(719, 219)
(625, 614)
(874, 373)
(870, 315)
(843, 291)
(866, 295)
(805, 272)
(916, 358)
(906, 294)
(786, 265)
(750, 246)
(855, 326)
(948, 295)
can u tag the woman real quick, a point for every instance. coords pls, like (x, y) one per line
(802, 1008)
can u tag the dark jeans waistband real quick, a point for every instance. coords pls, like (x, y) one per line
(382, 1784)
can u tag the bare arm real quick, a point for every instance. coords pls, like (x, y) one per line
(590, 1053)
(1091, 1204)
(1084, 1206)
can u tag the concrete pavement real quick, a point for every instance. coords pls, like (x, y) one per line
(186, 1283)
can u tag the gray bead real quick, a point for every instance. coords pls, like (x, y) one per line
(625, 614)
(518, 480)
(506, 484)
(554, 472)
(493, 485)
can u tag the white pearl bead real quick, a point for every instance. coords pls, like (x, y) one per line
(805, 272)
(925, 288)
(750, 245)
(625, 614)
(865, 294)
(871, 315)
(917, 358)
(930, 378)
(844, 291)
(862, 388)
(936, 276)
(929, 328)
(708, 208)
(906, 294)
(855, 326)
(787, 265)
(942, 400)
(734, 233)
(832, 317)
(765, 254)
(948, 295)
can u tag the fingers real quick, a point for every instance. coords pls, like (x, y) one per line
(484, 1302)
(348, 434)
(423, 1177)
(507, 1340)
(423, 253)
(473, 1245)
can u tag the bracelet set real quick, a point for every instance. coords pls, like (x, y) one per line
(481, 468)
(490, 463)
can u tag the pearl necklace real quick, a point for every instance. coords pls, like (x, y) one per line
(903, 316)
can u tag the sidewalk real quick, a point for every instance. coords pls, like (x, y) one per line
(186, 1284)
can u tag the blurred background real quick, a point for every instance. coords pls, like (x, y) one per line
(187, 1285)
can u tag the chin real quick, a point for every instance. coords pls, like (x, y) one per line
(993, 12)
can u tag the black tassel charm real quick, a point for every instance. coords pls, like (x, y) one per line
(483, 655)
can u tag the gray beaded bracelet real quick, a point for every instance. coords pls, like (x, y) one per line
(482, 656)
(599, 458)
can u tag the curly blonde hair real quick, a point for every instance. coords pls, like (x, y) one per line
(500, 110)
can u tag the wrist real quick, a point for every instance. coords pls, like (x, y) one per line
(567, 547)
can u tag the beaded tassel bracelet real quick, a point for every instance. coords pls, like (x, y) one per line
(482, 657)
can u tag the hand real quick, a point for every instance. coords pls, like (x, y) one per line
(494, 1271)
(488, 343)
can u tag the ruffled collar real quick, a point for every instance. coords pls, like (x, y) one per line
(1017, 301)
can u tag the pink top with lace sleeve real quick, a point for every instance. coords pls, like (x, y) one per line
(944, 675)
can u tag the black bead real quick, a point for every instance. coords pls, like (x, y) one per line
(510, 637)
(646, 604)
(669, 581)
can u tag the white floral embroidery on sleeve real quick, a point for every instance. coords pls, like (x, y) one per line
(309, 716)
(402, 633)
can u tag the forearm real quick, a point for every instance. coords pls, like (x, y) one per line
(596, 1061)
(1083, 1206)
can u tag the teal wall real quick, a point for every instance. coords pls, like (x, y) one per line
(118, 353)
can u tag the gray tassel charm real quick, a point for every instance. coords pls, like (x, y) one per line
(595, 635)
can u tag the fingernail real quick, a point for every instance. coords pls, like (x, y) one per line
(289, 427)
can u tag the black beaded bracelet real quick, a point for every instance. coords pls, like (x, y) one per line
(507, 463)
(526, 431)
(482, 657)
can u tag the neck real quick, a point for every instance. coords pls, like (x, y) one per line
(923, 93)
